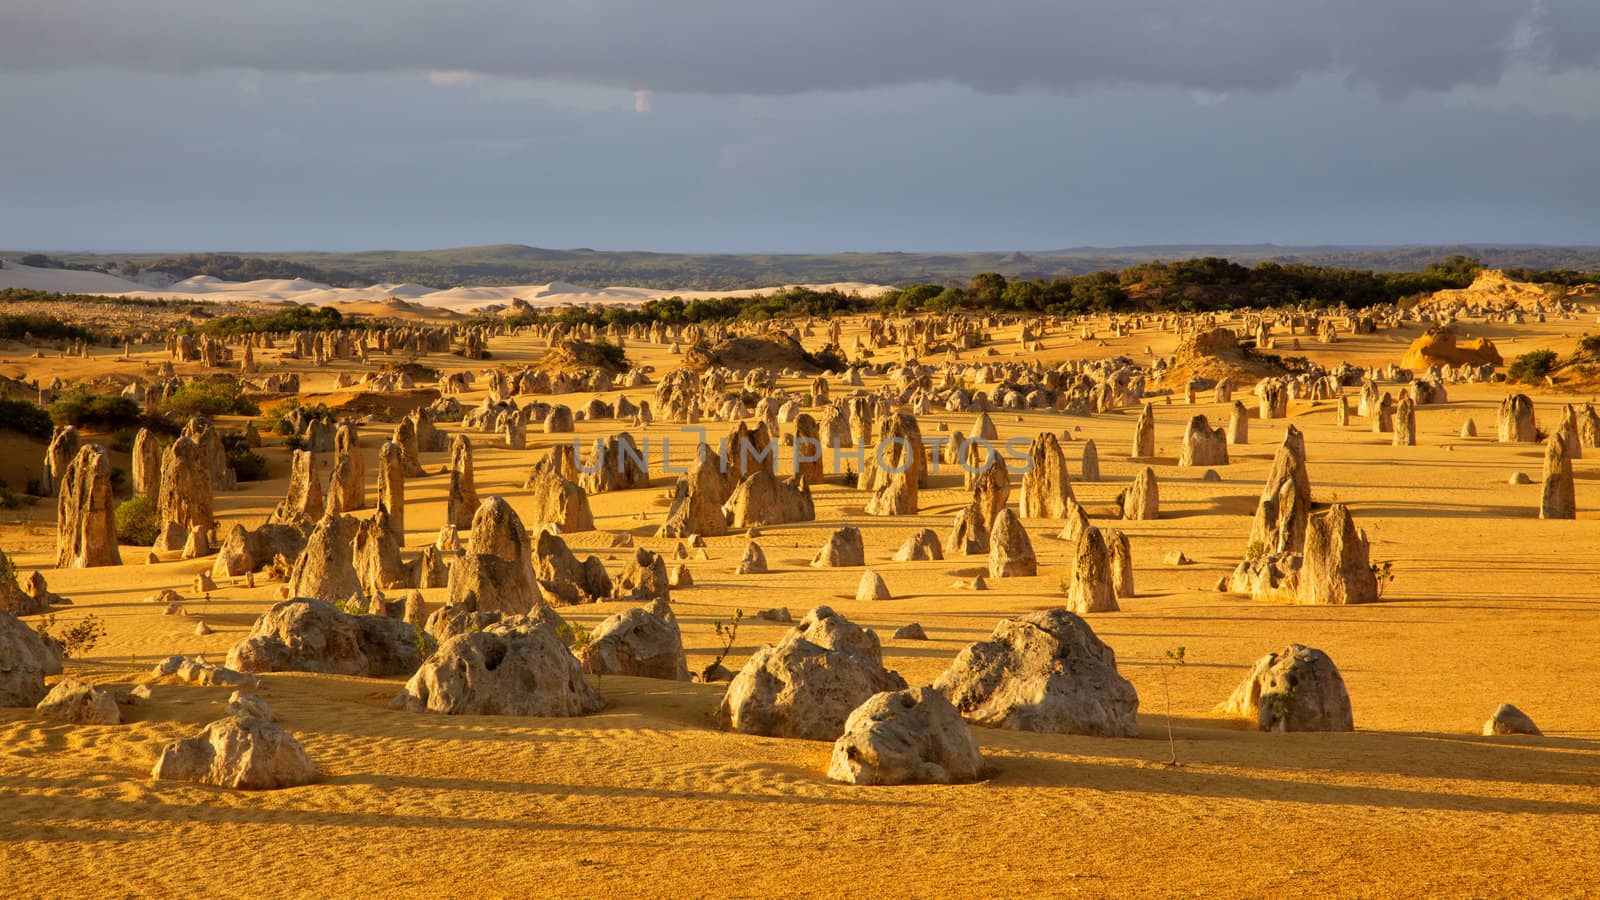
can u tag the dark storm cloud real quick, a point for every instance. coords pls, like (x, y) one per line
(755, 47)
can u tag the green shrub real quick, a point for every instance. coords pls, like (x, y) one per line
(138, 521)
(247, 464)
(209, 398)
(103, 412)
(25, 418)
(1532, 367)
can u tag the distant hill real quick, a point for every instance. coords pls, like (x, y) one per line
(504, 264)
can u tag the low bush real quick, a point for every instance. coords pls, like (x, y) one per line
(25, 418)
(1532, 367)
(102, 412)
(138, 521)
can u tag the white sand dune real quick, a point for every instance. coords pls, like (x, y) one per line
(307, 292)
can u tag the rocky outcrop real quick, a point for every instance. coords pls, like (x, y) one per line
(696, 506)
(1046, 487)
(921, 546)
(1092, 588)
(1515, 421)
(326, 569)
(1203, 445)
(1281, 513)
(244, 551)
(764, 499)
(1046, 671)
(26, 658)
(185, 496)
(1337, 569)
(305, 635)
(86, 524)
(1507, 719)
(559, 502)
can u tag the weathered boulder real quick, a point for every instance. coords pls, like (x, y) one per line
(518, 666)
(807, 684)
(696, 506)
(239, 752)
(872, 587)
(1507, 719)
(1142, 499)
(921, 546)
(1089, 467)
(1010, 549)
(562, 578)
(644, 579)
(969, 533)
(905, 737)
(1279, 525)
(559, 502)
(1046, 671)
(326, 569)
(843, 548)
(1298, 689)
(644, 643)
(80, 703)
(244, 551)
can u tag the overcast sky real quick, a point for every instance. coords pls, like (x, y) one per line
(744, 125)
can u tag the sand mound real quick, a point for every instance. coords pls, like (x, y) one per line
(773, 351)
(1494, 287)
(1215, 355)
(1439, 347)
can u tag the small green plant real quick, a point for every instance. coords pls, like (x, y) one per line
(726, 632)
(138, 521)
(1256, 550)
(1532, 367)
(352, 605)
(294, 442)
(1175, 659)
(1383, 574)
(576, 636)
(76, 639)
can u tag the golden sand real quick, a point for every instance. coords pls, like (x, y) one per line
(1489, 605)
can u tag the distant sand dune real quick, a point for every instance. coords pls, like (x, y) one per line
(305, 292)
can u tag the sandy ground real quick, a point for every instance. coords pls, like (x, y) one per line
(303, 291)
(647, 798)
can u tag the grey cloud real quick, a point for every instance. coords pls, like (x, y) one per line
(752, 47)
